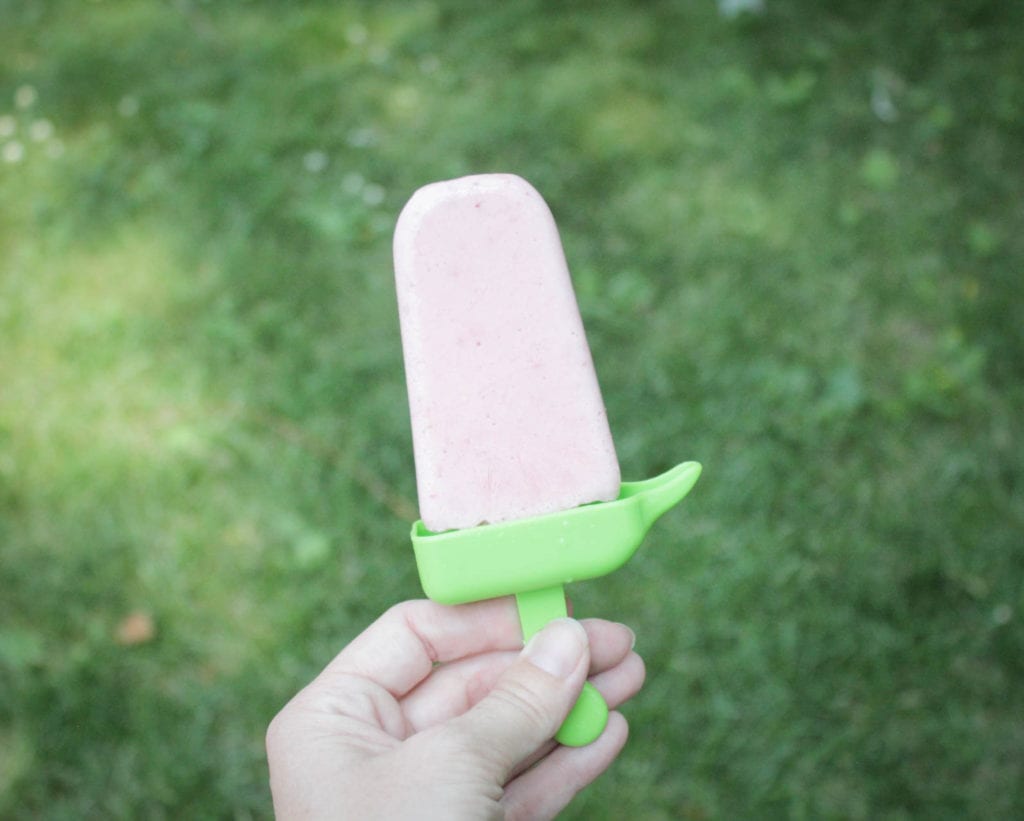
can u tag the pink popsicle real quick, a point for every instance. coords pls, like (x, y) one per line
(507, 416)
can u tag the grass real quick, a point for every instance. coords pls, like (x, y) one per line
(797, 243)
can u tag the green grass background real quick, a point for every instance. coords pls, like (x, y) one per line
(796, 238)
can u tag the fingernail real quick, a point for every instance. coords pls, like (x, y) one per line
(557, 648)
(632, 637)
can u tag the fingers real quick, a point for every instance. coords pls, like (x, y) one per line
(621, 682)
(544, 790)
(609, 643)
(455, 687)
(400, 649)
(617, 685)
(528, 703)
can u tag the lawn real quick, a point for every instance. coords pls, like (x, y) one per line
(797, 240)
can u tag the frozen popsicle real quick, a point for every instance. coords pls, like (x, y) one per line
(507, 416)
(516, 472)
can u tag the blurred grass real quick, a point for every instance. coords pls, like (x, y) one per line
(796, 238)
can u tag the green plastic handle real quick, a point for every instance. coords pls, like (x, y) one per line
(589, 716)
(532, 558)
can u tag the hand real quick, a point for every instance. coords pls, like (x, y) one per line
(435, 712)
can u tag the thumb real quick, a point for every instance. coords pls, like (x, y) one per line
(530, 701)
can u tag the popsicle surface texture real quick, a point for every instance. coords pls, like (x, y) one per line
(507, 417)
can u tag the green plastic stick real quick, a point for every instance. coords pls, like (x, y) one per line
(533, 558)
(589, 715)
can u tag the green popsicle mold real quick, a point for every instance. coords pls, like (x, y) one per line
(532, 558)
(458, 566)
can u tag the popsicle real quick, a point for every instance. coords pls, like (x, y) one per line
(507, 416)
(517, 477)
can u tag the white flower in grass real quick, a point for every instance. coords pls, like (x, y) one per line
(353, 183)
(128, 106)
(13, 152)
(885, 85)
(40, 131)
(315, 161)
(734, 8)
(1002, 613)
(362, 137)
(882, 104)
(25, 96)
(8, 125)
(356, 34)
(373, 194)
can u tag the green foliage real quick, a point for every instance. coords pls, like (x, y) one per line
(796, 239)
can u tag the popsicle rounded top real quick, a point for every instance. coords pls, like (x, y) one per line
(507, 416)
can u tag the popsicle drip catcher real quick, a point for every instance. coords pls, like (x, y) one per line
(533, 558)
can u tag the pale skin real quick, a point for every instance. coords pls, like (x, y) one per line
(438, 712)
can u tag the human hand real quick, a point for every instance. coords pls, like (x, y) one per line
(435, 712)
